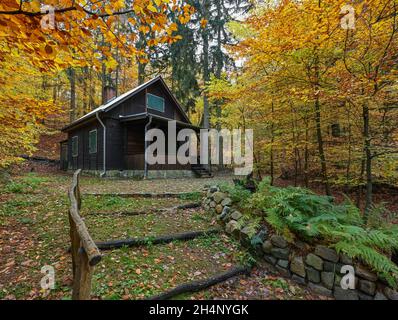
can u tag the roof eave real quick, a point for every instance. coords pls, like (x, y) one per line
(80, 122)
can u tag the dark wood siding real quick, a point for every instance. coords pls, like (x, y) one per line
(137, 105)
(134, 105)
(84, 159)
(114, 144)
(171, 110)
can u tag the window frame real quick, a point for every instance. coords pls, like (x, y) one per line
(154, 95)
(75, 138)
(96, 142)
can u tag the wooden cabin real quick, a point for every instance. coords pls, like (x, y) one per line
(115, 132)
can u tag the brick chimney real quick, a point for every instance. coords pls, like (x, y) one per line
(109, 94)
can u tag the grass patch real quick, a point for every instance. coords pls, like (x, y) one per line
(119, 204)
(27, 184)
(279, 283)
(107, 227)
(16, 207)
(143, 272)
(192, 196)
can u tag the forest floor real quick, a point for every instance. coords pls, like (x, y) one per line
(34, 232)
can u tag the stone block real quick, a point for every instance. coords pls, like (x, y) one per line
(313, 275)
(327, 279)
(270, 259)
(297, 266)
(298, 279)
(226, 202)
(236, 215)
(329, 266)
(279, 241)
(390, 293)
(314, 261)
(327, 253)
(367, 287)
(280, 253)
(283, 263)
(267, 246)
(341, 294)
(219, 197)
(320, 290)
(363, 272)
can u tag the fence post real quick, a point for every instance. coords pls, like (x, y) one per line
(82, 285)
(85, 254)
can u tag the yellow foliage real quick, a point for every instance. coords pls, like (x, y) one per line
(23, 109)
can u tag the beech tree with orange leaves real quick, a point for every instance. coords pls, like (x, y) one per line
(76, 36)
(325, 94)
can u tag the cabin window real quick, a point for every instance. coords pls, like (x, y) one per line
(75, 146)
(92, 141)
(155, 102)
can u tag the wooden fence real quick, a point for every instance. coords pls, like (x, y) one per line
(85, 254)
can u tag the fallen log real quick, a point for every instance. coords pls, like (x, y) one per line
(40, 159)
(116, 244)
(141, 195)
(188, 206)
(199, 285)
(138, 213)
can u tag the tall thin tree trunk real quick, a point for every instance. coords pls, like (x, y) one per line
(103, 84)
(368, 159)
(318, 121)
(306, 153)
(71, 73)
(220, 64)
(272, 145)
(141, 73)
(348, 168)
(206, 73)
(84, 79)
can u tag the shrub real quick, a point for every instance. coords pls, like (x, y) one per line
(237, 193)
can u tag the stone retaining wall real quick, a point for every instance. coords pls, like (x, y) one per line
(318, 268)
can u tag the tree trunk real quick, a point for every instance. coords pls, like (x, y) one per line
(272, 145)
(71, 73)
(141, 73)
(348, 168)
(84, 98)
(318, 121)
(206, 73)
(368, 159)
(103, 84)
(220, 64)
(306, 154)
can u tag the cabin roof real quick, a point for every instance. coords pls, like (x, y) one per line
(146, 115)
(120, 99)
